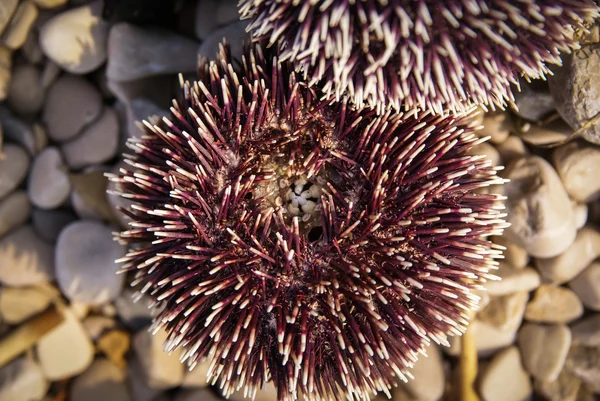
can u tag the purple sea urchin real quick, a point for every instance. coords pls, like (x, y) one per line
(295, 240)
(428, 53)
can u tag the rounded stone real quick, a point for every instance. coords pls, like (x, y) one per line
(76, 39)
(85, 263)
(496, 125)
(488, 339)
(534, 101)
(134, 309)
(587, 331)
(162, 370)
(71, 104)
(513, 280)
(587, 286)
(97, 143)
(511, 149)
(15, 34)
(547, 134)
(429, 377)
(25, 259)
(25, 93)
(505, 311)
(13, 165)
(49, 223)
(514, 255)
(544, 349)
(7, 9)
(578, 165)
(539, 209)
(48, 185)
(551, 304)
(22, 380)
(505, 379)
(100, 382)
(19, 304)
(15, 210)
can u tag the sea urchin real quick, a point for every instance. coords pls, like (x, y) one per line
(432, 54)
(290, 239)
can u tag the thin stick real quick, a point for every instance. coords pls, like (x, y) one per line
(468, 366)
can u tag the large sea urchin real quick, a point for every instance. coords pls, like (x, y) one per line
(295, 240)
(429, 53)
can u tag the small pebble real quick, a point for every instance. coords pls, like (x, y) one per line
(76, 39)
(50, 73)
(584, 362)
(14, 164)
(587, 286)
(488, 339)
(142, 109)
(511, 149)
(5, 70)
(85, 263)
(100, 382)
(7, 9)
(66, 350)
(49, 223)
(25, 259)
(71, 104)
(578, 165)
(514, 255)
(22, 380)
(587, 331)
(497, 126)
(115, 344)
(429, 377)
(513, 280)
(580, 214)
(539, 209)
(25, 93)
(506, 311)
(136, 53)
(162, 370)
(505, 379)
(48, 185)
(16, 32)
(19, 304)
(135, 315)
(138, 382)
(15, 210)
(19, 132)
(551, 304)
(97, 143)
(31, 48)
(544, 349)
(489, 151)
(565, 267)
(547, 134)
(565, 388)
(95, 326)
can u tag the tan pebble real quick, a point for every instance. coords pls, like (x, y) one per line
(587, 331)
(580, 214)
(497, 126)
(506, 311)
(512, 149)
(587, 286)
(163, 370)
(551, 304)
(196, 378)
(544, 349)
(429, 376)
(488, 339)
(578, 165)
(565, 388)
(16, 32)
(514, 255)
(513, 280)
(504, 379)
(19, 304)
(115, 345)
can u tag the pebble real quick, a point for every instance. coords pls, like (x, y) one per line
(66, 350)
(157, 89)
(85, 263)
(49, 223)
(539, 209)
(580, 214)
(511, 149)
(514, 255)
(50, 73)
(213, 13)
(97, 144)
(488, 339)
(513, 280)
(115, 344)
(268, 393)
(497, 126)
(587, 331)
(505, 379)
(5, 71)
(488, 151)
(19, 132)
(133, 309)
(48, 185)
(89, 197)
(71, 104)
(142, 109)
(565, 388)
(578, 165)
(15, 210)
(7, 9)
(197, 377)
(534, 101)
(429, 377)
(31, 49)
(199, 395)
(25, 259)
(25, 92)
(161, 369)
(565, 267)
(76, 39)
(19, 304)
(544, 349)
(587, 286)
(95, 326)
(100, 382)
(576, 87)
(18, 28)
(50, 3)
(136, 53)
(22, 380)
(506, 311)
(584, 362)
(550, 133)
(14, 163)
(551, 304)
(235, 33)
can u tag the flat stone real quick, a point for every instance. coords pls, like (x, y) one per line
(71, 104)
(50, 73)
(49, 223)
(31, 49)
(544, 349)
(564, 267)
(587, 286)
(25, 259)
(100, 382)
(89, 198)
(65, 351)
(429, 377)
(7, 9)
(513, 280)
(551, 304)
(22, 380)
(25, 92)
(19, 304)
(578, 165)
(538, 208)
(136, 53)
(587, 331)
(115, 344)
(97, 143)
(16, 32)
(76, 39)
(565, 388)
(14, 164)
(506, 311)
(48, 185)
(514, 255)
(15, 210)
(161, 369)
(505, 379)
(85, 263)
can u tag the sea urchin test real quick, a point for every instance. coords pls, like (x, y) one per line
(290, 239)
(433, 54)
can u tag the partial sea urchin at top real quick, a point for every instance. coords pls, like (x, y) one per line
(434, 54)
(288, 239)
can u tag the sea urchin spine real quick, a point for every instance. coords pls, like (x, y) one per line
(432, 54)
(290, 239)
